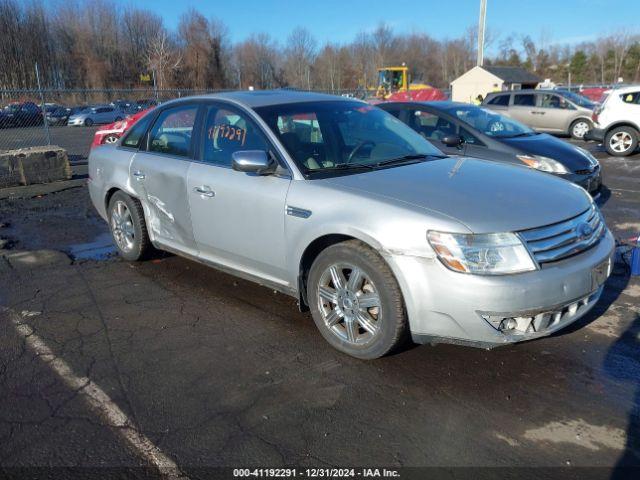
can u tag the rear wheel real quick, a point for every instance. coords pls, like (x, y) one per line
(128, 228)
(579, 128)
(356, 302)
(621, 141)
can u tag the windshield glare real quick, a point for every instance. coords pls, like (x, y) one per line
(491, 123)
(331, 135)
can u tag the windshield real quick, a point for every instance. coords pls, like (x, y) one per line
(327, 136)
(580, 100)
(490, 123)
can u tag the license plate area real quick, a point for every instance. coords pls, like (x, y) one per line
(600, 273)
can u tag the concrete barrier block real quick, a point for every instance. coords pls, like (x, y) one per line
(44, 164)
(10, 171)
(27, 166)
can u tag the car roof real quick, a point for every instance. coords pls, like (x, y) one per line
(265, 98)
(623, 90)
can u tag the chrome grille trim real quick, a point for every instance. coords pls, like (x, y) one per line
(561, 240)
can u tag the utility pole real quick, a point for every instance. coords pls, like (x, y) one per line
(43, 107)
(481, 25)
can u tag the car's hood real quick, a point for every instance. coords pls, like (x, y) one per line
(484, 196)
(547, 146)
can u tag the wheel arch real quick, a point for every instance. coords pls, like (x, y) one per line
(314, 248)
(622, 123)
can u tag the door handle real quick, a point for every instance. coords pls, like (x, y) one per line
(139, 175)
(204, 191)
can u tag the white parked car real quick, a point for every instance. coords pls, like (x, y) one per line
(617, 122)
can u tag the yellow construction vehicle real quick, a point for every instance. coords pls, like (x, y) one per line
(395, 79)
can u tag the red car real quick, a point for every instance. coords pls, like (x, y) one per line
(112, 132)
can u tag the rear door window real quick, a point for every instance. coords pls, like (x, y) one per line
(524, 100)
(172, 132)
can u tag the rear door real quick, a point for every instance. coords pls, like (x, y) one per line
(237, 217)
(158, 174)
(523, 107)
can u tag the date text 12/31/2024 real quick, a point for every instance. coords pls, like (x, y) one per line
(315, 473)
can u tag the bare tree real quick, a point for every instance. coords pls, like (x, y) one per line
(300, 54)
(162, 58)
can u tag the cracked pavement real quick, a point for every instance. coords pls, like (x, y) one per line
(217, 371)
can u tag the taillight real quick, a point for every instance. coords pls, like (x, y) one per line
(594, 117)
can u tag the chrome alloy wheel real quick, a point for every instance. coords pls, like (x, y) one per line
(110, 139)
(349, 304)
(580, 129)
(620, 142)
(122, 226)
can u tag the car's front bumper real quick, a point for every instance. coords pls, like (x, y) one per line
(75, 122)
(445, 306)
(591, 182)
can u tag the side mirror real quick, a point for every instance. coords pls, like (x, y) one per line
(253, 161)
(453, 141)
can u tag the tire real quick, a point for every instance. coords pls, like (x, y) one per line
(579, 128)
(110, 139)
(621, 141)
(88, 122)
(365, 332)
(128, 227)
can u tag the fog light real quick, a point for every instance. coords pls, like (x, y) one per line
(508, 324)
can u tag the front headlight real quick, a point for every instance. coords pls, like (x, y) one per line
(485, 254)
(544, 164)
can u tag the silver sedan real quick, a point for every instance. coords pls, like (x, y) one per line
(369, 226)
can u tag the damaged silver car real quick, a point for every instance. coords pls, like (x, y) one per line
(368, 225)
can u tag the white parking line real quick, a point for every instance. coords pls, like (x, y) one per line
(98, 400)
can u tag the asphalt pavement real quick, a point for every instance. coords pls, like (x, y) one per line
(99, 356)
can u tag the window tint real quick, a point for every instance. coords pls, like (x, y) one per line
(430, 125)
(171, 134)
(304, 126)
(137, 131)
(228, 131)
(499, 100)
(524, 100)
(631, 98)
(553, 101)
(395, 112)
(469, 138)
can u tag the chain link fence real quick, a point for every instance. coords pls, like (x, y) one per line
(33, 118)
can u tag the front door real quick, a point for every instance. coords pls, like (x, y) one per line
(524, 108)
(237, 218)
(159, 177)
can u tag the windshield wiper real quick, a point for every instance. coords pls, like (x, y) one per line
(407, 158)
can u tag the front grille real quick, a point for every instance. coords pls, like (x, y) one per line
(564, 239)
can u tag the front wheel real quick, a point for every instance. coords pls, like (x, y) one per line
(579, 128)
(88, 122)
(356, 302)
(621, 141)
(128, 227)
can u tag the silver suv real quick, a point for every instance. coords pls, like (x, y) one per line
(552, 111)
(345, 208)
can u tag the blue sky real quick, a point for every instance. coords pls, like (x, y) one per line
(563, 21)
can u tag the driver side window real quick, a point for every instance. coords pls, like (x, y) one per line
(229, 131)
(171, 134)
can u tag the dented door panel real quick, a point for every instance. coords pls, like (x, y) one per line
(160, 181)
